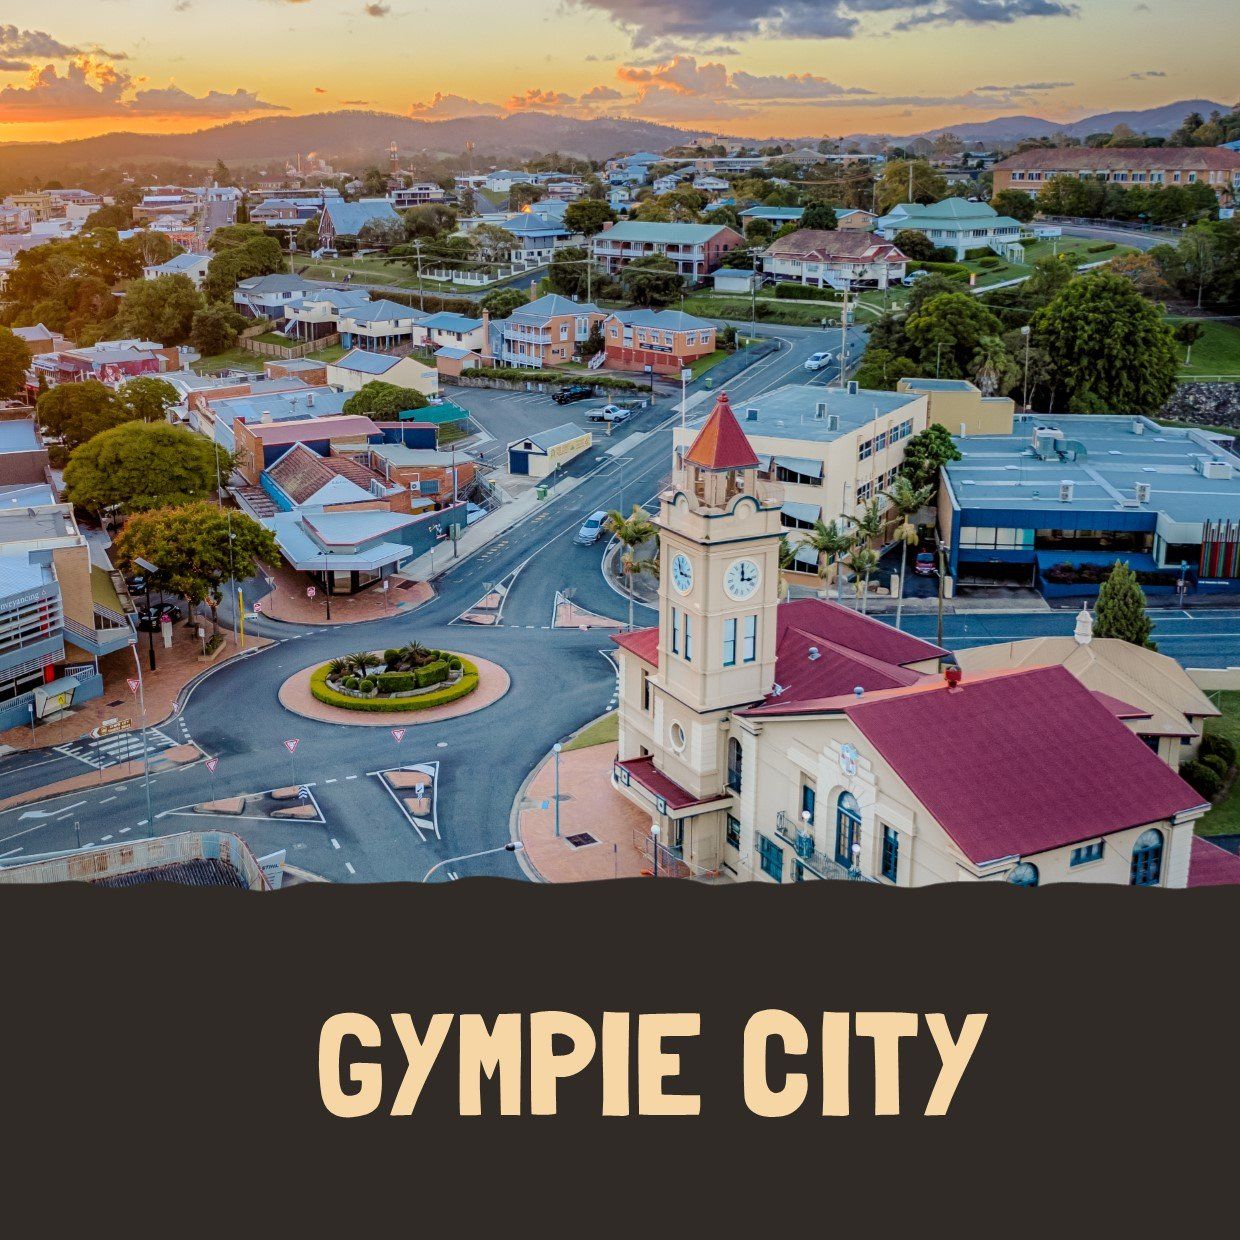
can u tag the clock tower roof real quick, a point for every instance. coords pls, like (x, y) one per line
(721, 444)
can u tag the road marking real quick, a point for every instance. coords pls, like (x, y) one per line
(330, 781)
(142, 823)
(103, 839)
(106, 800)
(50, 813)
(11, 853)
(335, 843)
(348, 866)
(124, 830)
(350, 777)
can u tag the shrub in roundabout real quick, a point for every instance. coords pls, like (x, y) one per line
(322, 692)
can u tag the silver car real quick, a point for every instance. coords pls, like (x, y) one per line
(591, 529)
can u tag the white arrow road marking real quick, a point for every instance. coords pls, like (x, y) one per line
(49, 813)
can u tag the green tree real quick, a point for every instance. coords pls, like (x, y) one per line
(880, 370)
(75, 412)
(862, 563)
(567, 274)
(819, 215)
(915, 245)
(492, 244)
(1187, 334)
(926, 453)
(161, 309)
(138, 466)
(1121, 609)
(651, 281)
(832, 542)
(1106, 339)
(993, 368)
(522, 194)
(587, 216)
(906, 501)
(146, 399)
(631, 532)
(947, 331)
(236, 237)
(1016, 203)
(374, 183)
(893, 185)
(430, 220)
(260, 256)
(308, 233)
(14, 360)
(1050, 276)
(501, 302)
(381, 234)
(214, 328)
(198, 548)
(384, 399)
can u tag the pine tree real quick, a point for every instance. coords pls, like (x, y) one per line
(1121, 609)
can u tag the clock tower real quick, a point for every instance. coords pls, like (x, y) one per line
(719, 571)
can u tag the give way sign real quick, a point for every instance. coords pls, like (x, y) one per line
(291, 746)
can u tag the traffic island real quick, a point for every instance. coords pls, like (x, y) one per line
(309, 693)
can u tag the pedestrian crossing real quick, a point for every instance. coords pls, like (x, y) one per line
(113, 750)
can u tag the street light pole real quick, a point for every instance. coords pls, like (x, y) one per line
(146, 753)
(654, 831)
(942, 580)
(1024, 395)
(513, 846)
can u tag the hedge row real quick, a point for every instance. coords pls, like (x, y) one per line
(450, 693)
(1100, 249)
(953, 271)
(803, 292)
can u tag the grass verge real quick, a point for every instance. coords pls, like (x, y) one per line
(603, 731)
(1224, 818)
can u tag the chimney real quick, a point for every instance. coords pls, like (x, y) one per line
(1084, 630)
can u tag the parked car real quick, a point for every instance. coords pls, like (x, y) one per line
(609, 413)
(591, 529)
(816, 361)
(574, 391)
(149, 618)
(923, 565)
(913, 277)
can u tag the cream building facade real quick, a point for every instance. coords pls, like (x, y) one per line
(799, 741)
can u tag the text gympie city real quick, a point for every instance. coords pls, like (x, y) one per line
(544, 1048)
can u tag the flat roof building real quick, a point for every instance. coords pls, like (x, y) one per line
(1061, 498)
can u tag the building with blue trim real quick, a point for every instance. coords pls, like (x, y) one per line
(1059, 500)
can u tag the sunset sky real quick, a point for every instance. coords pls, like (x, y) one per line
(748, 67)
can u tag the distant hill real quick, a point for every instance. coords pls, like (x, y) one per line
(354, 136)
(1156, 122)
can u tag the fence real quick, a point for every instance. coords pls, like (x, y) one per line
(265, 348)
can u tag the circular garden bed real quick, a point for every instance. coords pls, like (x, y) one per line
(408, 678)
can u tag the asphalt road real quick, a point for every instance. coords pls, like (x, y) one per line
(1123, 236)
(560, 680)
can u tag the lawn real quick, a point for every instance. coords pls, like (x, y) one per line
(373, 270)
(231, 359)
(703, 364)
(1224, 818)
(1216, 353)
(603, 731)
(737, 309)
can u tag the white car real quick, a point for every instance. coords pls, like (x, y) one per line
(816, 361)
(609, 413)
(913, 276)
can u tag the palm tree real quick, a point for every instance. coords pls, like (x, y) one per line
(631, 532)
(906, 501)
(362, 661)
(862, 561)
(992, 365)
(833, 541)
(868, 527)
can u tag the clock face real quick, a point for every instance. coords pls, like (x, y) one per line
(742, 579)
(682, 574)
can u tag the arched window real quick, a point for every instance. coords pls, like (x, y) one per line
(734, 764)
(1024, 875)
(847, 827)
(1147, 859)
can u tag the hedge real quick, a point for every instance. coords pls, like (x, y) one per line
(1100, 249)
(804, 292)
(512, 375)
(396, 682)
(432, 673)
(1214, 743)
(954, 271)
(979, 252)
(439, 697)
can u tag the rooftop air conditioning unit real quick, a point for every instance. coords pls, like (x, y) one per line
(1142, 490)
(833, 421)
(1212, 467)
(853, 387)
(751, 414)
(820, 410)
(1066, 490)
(1138, 427)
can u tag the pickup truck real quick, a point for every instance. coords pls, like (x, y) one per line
(609, 413)
(574, 392)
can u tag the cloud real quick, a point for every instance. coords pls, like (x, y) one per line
(1142, 74)
(687, 76)
(91, 88)
(537, 100)
(377, 10)
(13, 66)
(1023, 88)
(674, 24)
(599, 94)
(354, 103)
(451, 107)
(35, 44)
(320, 90)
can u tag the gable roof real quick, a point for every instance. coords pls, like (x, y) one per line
(665, 320)
(721, 444)
(1008, 765)
(644, 230)
(1100, 159)
(302, 474)
(366, 362)
(446, 321)
(349, 218)
(1211, 866)
(543, 308)
(823, 245)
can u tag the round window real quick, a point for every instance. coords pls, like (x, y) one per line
(678, 737)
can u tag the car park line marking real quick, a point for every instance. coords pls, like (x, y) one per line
(350, 868)
(124, 830)
(335, 843)
(106, 800)
(331, 781)
(350, 777)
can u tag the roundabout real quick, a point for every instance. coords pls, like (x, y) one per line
(304, 691)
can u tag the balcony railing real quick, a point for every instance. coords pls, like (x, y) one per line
(793, 831)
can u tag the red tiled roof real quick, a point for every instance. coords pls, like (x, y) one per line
(721, 444)
(1020, 762)
(1099, 159)
(852, 650)
(644, 771)
(1211, 866)
(644, 643)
